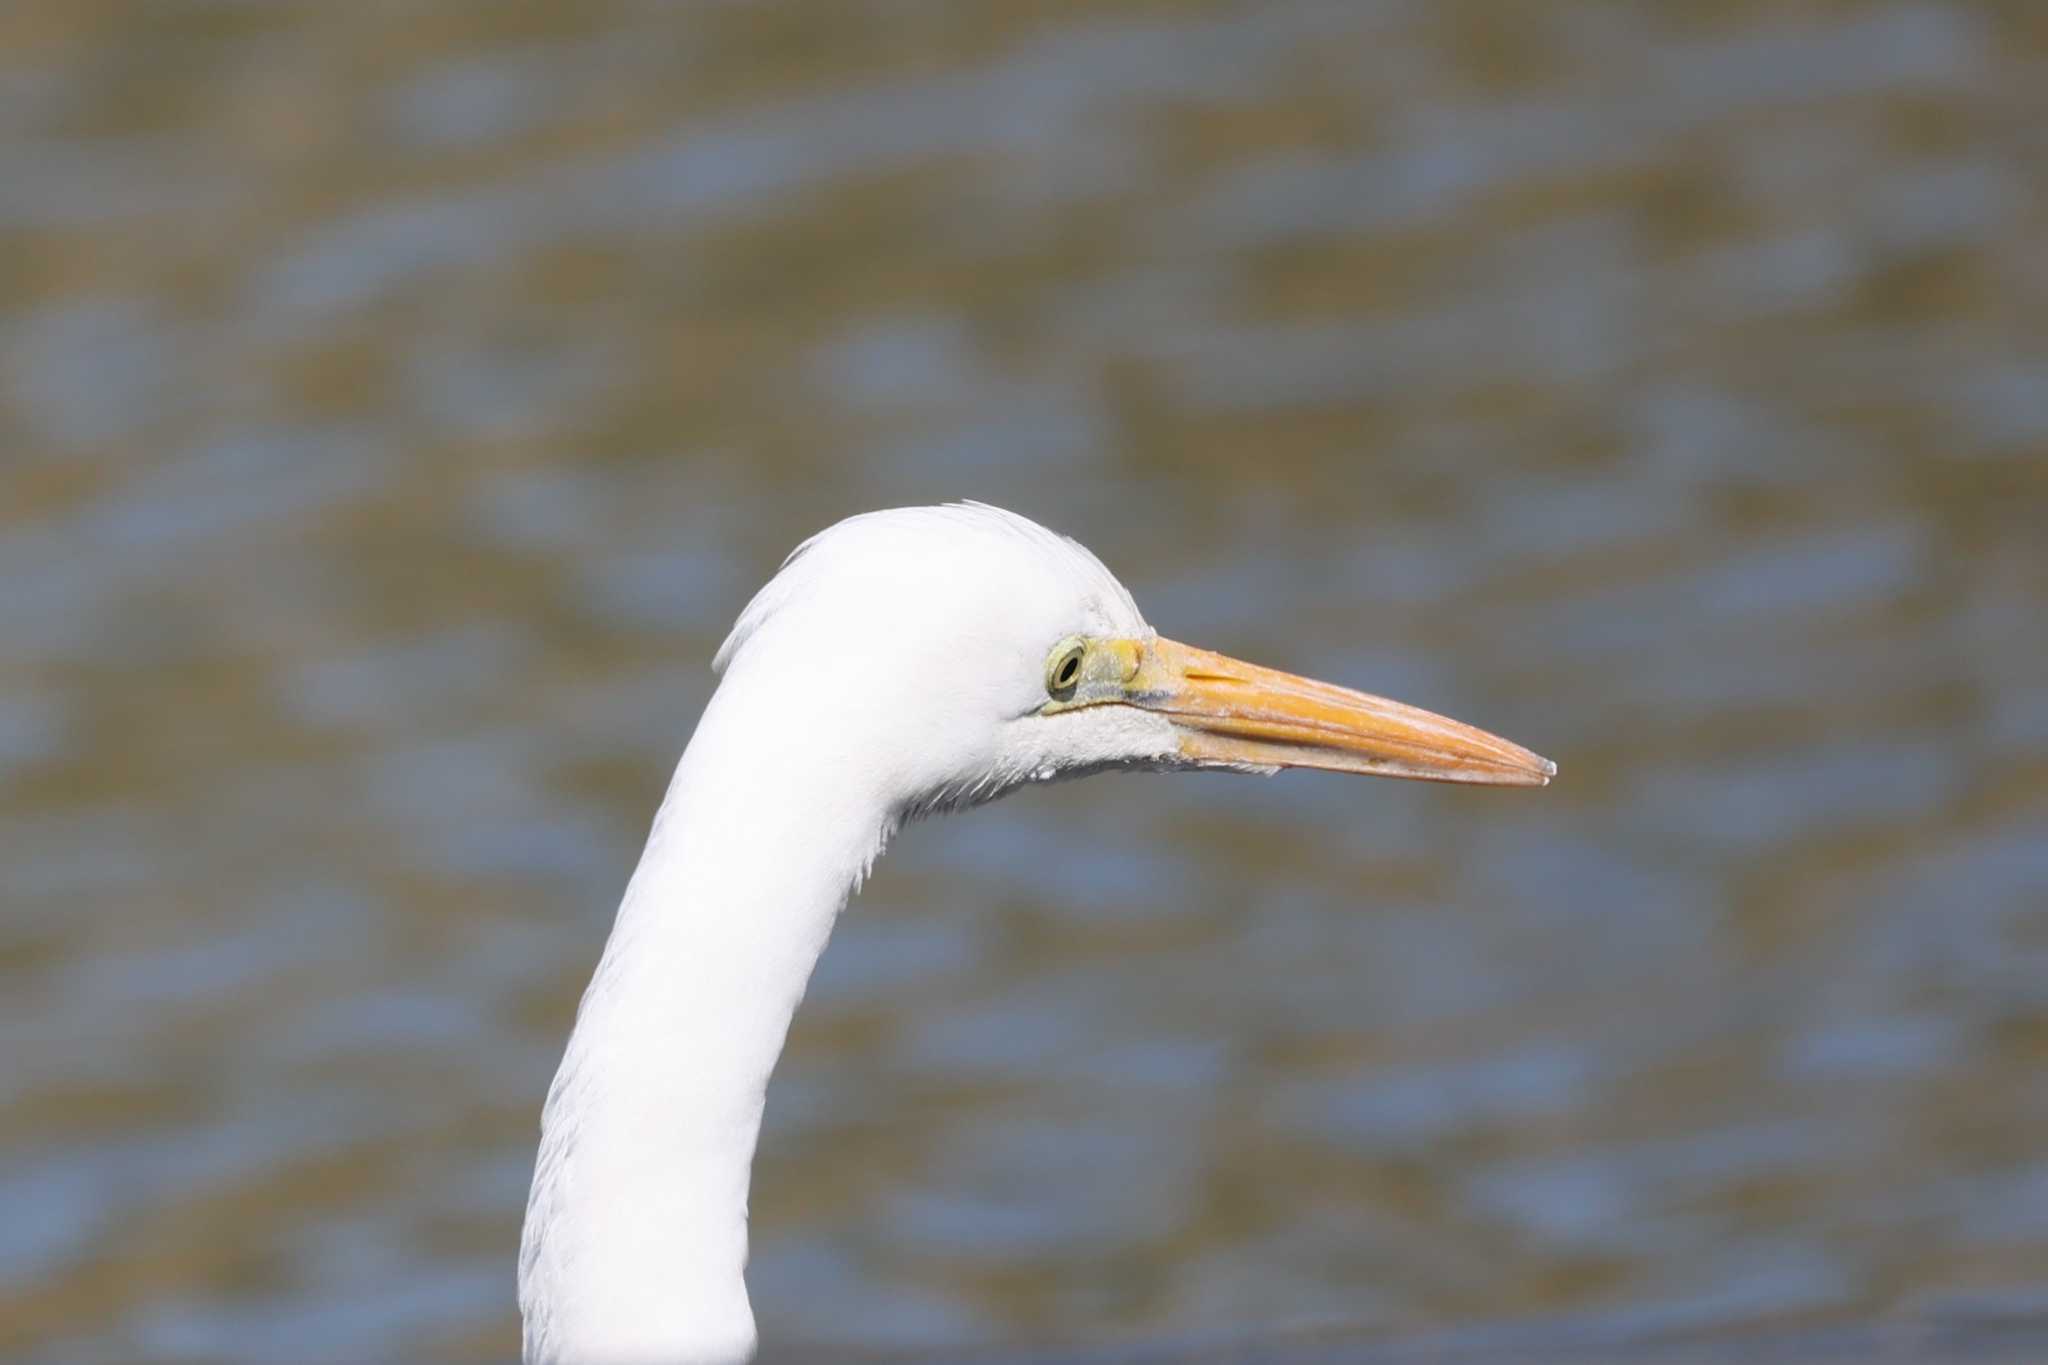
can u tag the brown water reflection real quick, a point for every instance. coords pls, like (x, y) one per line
(396, 407)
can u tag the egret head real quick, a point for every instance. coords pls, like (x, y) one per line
(950, 654)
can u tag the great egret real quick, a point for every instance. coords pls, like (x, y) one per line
(901, 663)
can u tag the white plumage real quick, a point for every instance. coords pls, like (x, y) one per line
(900, 663)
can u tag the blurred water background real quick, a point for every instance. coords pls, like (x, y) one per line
(397, 403)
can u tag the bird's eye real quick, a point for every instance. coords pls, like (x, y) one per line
(1063, 670)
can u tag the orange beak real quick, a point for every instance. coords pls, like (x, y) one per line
(1240, 715)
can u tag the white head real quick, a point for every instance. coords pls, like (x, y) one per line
(959, 651)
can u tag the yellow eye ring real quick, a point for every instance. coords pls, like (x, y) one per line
(1063, 670)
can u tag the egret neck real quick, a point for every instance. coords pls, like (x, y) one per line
(636, 1230)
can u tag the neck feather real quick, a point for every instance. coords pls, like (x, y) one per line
(636, 1228)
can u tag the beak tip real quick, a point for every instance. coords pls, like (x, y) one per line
(1533, 770)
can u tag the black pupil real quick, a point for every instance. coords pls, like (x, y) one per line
(1069, 668)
